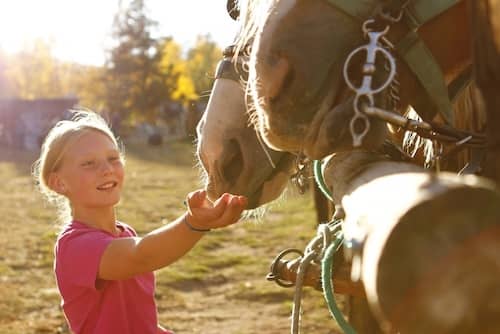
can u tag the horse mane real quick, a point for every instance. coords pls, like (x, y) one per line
(469, 116)
(250, 12)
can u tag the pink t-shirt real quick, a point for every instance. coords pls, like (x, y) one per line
(98, 306)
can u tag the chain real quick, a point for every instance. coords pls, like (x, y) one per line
(386, 14)
(314, 253)
(365, 92)
(301, 177)
(393, 99)
(364, 105)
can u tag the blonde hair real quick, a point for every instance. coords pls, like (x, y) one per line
(54, 147)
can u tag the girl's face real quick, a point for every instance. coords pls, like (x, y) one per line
(91, 174)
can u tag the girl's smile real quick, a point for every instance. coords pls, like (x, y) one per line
(91, 174)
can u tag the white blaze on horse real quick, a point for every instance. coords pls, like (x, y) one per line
(232, 156)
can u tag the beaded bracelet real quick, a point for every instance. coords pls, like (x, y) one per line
(195, 229)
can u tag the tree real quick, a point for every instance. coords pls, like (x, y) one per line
(175, 71)
(85, 82)
(135, 84)
(34, 73)
(201, 62)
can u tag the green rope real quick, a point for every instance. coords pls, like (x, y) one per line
(326, 278)
(320, 181)
(327, 261)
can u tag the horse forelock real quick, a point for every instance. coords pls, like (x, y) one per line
(250, 13)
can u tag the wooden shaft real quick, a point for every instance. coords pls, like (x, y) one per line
(485, 17)
(430, 260)
(286, 270)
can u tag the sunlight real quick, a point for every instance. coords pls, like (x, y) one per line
(76, 31)
(79, 31)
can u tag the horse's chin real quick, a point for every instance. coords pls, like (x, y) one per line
(280, 141)
(333, 134)
(272, 189)
(268, 190)
(274, 186)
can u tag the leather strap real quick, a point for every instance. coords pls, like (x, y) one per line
(225, 70)
(423, 64)
(413, 50)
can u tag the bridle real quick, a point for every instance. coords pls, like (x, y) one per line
(412, 50)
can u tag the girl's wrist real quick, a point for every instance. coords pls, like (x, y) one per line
(194, 228)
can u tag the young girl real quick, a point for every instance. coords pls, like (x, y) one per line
(104, 271)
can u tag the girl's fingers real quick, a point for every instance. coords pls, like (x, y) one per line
(219, 206)
(196, 198)
(222, 200)
(211, 213)
(207, 203)
(224, 211)
(236, 205)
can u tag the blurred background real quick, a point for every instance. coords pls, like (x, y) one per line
(147, 65)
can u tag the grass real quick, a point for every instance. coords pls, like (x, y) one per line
(219, 287)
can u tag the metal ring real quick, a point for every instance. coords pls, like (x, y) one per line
(390, 77)
(359, 116)
(272, 270)
(366, 30)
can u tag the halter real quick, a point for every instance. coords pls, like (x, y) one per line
(410, 48)
(227, 68)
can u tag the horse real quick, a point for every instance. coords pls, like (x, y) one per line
(232, 156)
(308, 99)
(302, 102)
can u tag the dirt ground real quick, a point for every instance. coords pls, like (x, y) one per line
(219, 287)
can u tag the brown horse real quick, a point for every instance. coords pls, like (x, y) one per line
(304, 102)
(296, 70)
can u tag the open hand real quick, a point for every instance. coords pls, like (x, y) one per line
(224, 211)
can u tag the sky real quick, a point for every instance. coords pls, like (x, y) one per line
(79, 30)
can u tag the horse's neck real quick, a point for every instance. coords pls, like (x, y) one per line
(448, 37)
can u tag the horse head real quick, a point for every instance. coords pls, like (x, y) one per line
(233, 158)
(296, 68)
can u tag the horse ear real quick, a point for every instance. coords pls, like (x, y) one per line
(233, 9)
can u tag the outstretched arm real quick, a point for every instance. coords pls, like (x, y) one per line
(127, 257)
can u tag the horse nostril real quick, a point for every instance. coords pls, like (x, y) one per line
(279, 74)
(232, 162)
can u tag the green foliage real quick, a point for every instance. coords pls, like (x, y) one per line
(141, 73)
(34, 73)
(202, 59)
(175, 70)
(134, 82)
